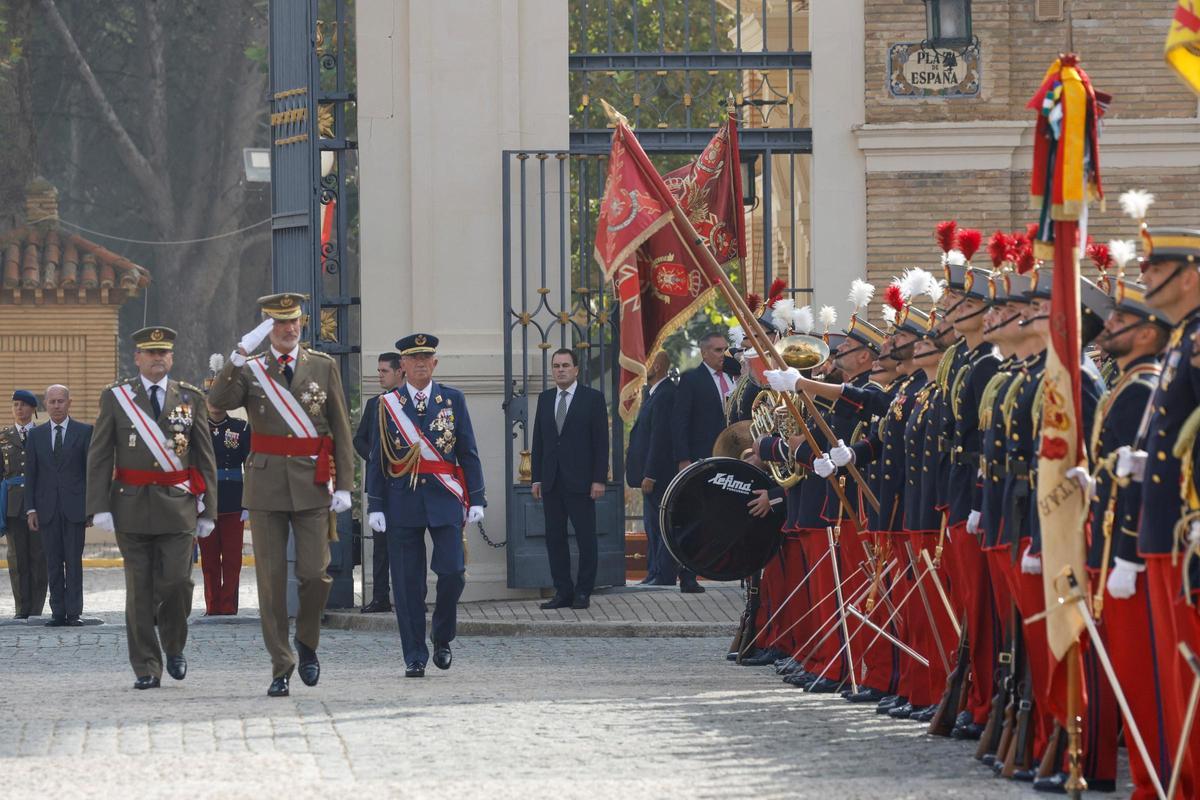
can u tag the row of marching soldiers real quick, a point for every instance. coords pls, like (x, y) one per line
(930, 493)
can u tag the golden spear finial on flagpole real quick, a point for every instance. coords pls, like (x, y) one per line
(730, 104)
(614, 116)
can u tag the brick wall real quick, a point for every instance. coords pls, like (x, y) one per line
(1120, 43)
(904, 207)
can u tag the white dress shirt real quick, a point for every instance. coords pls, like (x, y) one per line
(558, 395)
(412, 391)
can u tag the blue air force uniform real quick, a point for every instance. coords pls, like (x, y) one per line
(414, 499)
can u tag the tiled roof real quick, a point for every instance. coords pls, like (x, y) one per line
(48, 263)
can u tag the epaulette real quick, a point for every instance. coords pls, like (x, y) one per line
(192, 388)
(120, 382)
(317, 354)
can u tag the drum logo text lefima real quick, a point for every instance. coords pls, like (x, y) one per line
(730, 483)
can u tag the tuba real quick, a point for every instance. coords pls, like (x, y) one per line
(770, 417)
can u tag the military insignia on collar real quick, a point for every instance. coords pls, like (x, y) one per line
(437, 399)
(403, 399)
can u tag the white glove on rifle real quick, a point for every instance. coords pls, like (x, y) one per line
(783, 380)
(340, 501)
(104, 521)
(475, 514)
(1131, 463)
(1086, 484)
(377, 521)
(1031, 565)
(205, 527)
(973, 522)
(841, 455)
(823, 466)
(1122, 581)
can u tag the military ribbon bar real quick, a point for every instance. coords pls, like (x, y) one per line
(432, 462)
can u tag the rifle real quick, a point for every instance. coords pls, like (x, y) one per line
(956, 688)
(1016, 681)
(989, 741)
(1020, 755)
(746, 632)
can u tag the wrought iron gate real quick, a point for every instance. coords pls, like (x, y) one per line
(670, 65)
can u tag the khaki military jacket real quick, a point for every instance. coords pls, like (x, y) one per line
(286, 483)
(12, 464)
(117, 444)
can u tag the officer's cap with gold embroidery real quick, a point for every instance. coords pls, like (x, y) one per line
(416, 344)
(865, 333)
(915, 321)
(283, 305)
(1130, 297)
(156, 337)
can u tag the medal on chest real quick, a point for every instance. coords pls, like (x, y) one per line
(443, 425)
(179, 422)
(232, 439)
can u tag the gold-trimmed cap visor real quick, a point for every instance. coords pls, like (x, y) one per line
(416, 344)
(865, 333)
(283, 305)
(155, 337)
(1130, 297)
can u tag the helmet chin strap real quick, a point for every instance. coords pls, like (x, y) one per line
(972, 315)
(1032, 320)
(1175, 274)
(1003, 324)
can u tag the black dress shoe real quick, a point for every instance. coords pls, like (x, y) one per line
(147, 682)
(691, 588)
(309, 667)
(558, 601)
(965, 717)
(56, 622)
(988, 759)
(925, 714)
(377, 607)
(824, 686)
(801, 680)
(903, 711)
(177, 667)
(865, 694)
(279, 686)
(1025, 775)
(415, 670)
(442, 655)
(581, 601)
(73, 622)
(889, 702)
(970, 732)
(20, 616)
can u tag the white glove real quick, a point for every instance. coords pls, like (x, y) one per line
(104, 522)
(823, 466)
(237, 359)
(1194, 532)
(475, 514)
(245, 515)
(204, 527)
(841, 455)
(340, 502)
(199, 505)
(1087, 484)
(377, 521)
(783, 380)
(1122, 581)
(253, 339)
(973, 522)
(1131, 463)
(1031, 565)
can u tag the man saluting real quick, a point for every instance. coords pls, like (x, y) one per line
(154, 431)
(424, 474)
(301, 468)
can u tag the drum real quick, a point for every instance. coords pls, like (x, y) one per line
(708, 528)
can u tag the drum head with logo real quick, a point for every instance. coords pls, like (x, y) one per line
(707, 526)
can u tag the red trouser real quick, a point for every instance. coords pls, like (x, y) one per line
(1029, 594)
(779, 580)
(875, 658)
(221, 563)
(1101, 716)
(1164, 584)
(822, 641)
(928, 624)
(972, 584)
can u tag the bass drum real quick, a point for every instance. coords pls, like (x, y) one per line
(708, 528)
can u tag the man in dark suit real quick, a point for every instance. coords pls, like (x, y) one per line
(635, 461)
(698, 416)
(570, 467)
(55, 486)
(390, 376)
(661, 467)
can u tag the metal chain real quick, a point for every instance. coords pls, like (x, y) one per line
(487, 541)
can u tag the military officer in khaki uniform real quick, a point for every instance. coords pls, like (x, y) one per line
(26, 561)
(300, 469)
(152, 479)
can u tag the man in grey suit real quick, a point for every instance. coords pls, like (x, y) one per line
(55, 485)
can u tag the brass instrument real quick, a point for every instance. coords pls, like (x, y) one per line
(770, 417)
(802, 351)
(734, 440)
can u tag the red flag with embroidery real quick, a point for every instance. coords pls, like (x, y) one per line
(655, 276)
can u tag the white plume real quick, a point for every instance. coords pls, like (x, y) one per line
(905, 292)
(889, 314)
(861, 293)
(216, 362)
(827, 316)
(1136, 203)
(781, 314)
(736, 336)
(802, 320)
(955, 258)
(915, 282)
(935, 289)
(1122, 251)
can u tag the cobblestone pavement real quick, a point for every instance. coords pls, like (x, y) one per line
(515, 717)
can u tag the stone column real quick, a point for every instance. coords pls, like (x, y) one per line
(443, 88)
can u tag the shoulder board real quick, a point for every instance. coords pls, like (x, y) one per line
(121, 382)
(318, 354)
(190, 387)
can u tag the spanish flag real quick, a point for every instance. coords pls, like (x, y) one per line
(1182, 50)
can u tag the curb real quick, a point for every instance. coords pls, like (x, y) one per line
(386, 623)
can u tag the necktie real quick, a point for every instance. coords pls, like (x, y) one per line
(560, 413)
(724, 383)
(155, 403)
(58, 436)
(420, 402)
(286, 361)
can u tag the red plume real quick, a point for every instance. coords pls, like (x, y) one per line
(776, 292)
(1100, 256)
(754, 301)
(1031, 231)
(893, 297)
(998, 248)
(968, 241)
(1017, 242)
(945, 235)
(1026, 261)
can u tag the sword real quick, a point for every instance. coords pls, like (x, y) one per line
(1188, 721)
(937, 637)
(942, 593)
(799, 586)
(841, 602)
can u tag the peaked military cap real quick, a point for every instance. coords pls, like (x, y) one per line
(865, 333)
(283, 305)
(1093, 299)
(1170, 244)
(1130, 297)
(1019, 288)
(156, 337)
(914, 320)
(25, 396)
(997, 288)
(416, 344)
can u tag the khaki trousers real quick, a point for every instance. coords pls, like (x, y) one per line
(158, 593)
(269, 534)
